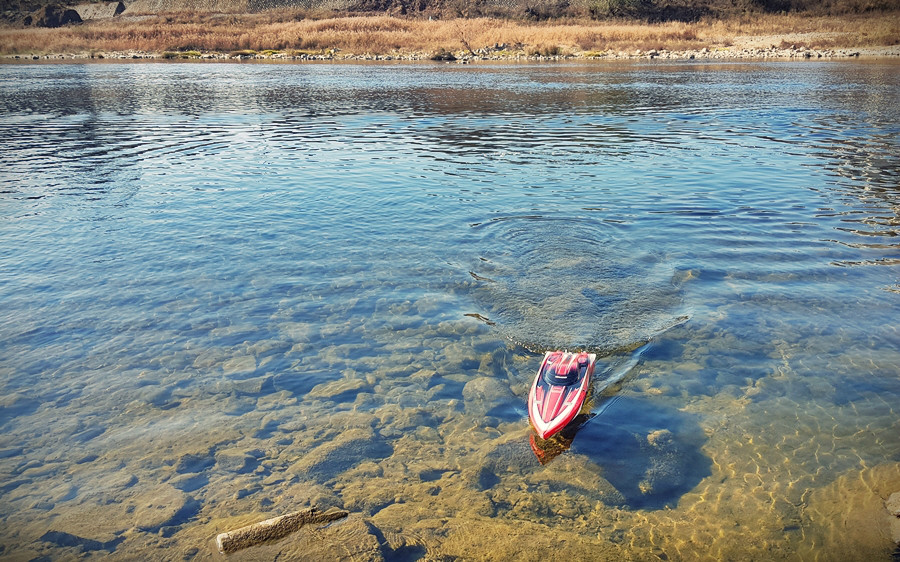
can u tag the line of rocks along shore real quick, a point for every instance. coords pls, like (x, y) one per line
(493, 53)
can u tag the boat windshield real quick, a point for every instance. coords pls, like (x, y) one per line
(562, 372)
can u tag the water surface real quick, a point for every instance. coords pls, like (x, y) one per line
(233, 291)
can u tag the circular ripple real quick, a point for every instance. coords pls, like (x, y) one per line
(573, 282)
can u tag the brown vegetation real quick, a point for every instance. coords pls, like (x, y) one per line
(296, 30)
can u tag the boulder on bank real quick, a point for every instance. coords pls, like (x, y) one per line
(99, 10)
(54, 15)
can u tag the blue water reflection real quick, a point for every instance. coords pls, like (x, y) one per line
(248, 288)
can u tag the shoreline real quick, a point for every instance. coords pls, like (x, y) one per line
(276, 37)
(487, 54)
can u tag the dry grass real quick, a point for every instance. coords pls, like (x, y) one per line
(853, 30)
(286, 30)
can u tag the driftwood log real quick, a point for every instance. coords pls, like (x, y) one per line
(273, 529)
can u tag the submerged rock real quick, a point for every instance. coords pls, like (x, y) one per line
(98, 523)
(484, 393)
(61, 538)
(349, 449)
(893, 504)
(191, 463)
(232, 460)
(241, 365)
(163, 506)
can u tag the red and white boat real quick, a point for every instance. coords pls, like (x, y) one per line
(559, 390)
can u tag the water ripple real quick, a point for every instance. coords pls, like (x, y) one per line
(242, 287)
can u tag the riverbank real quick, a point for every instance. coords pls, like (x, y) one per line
(221, 37)
(486, 54)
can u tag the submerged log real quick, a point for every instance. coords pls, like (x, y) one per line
(273, 529)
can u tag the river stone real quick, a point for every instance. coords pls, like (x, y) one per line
(297, 331)
(209, 358)
(8, 452)
(338, 389)
(193, 463)
(251, 386)
(158, 507)
(578, 476)
(119, 480)
(107, 517)
(347, 450)
(893, 504)
(61, 538)
(189, 482)
(482, 393)
(513, 456)
(665, 471)
(233, 460)
(16, 404)
(353, 539)
(240, 365)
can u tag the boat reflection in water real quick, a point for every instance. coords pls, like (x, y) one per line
(548, 449)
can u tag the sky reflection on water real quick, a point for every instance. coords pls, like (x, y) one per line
(232, 291)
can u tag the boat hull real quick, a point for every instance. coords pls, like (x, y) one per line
(559, 391)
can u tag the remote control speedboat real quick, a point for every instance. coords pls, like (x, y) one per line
(559, 390)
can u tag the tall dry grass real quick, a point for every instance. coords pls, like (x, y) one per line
(384, 34)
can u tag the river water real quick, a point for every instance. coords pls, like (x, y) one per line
(232, 291)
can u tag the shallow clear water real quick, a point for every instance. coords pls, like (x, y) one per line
(233, 291)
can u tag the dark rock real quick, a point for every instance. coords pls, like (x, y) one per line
(54, 15)
(60, 538)
(443, 56)
(486, 479)
(168, 531)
